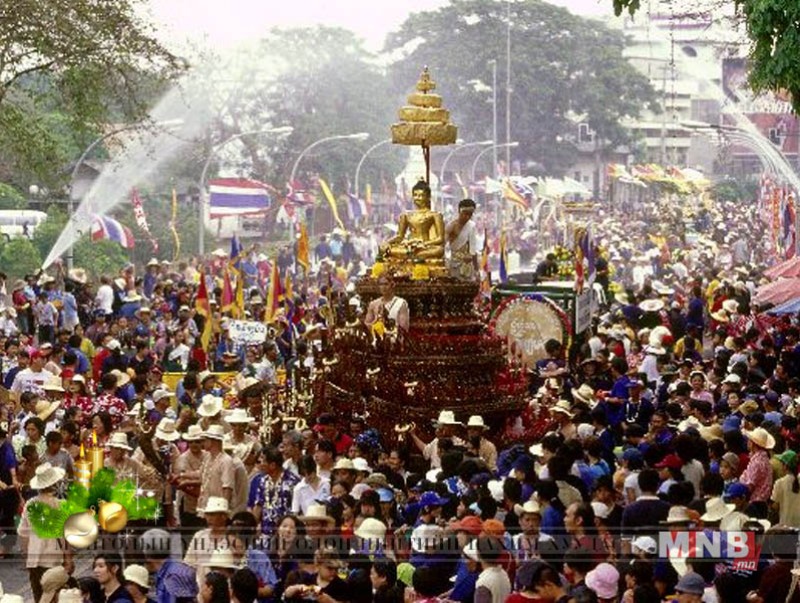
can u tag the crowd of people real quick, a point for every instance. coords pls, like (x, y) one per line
(677, 412)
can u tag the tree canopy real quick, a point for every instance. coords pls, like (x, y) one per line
(773, 27)
(68, 68)
(563, 67)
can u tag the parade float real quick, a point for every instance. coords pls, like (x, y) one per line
(447, 358)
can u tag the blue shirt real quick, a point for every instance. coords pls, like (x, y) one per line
(552, 522)
(464, 587)
(258, 562)
(175, 582)
(83, 361)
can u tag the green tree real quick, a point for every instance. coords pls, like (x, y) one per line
(563, 68)
(20, 257)
(773, 27)
(329, 85)
(11, 198)
(67, 69)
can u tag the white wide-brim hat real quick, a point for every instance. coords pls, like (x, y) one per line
(46, 476)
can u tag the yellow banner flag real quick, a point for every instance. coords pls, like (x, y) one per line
(177, 250)
(302, 247)
(332, 202)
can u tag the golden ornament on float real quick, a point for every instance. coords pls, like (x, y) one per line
(83, 470)
(378, 268)
(80, 530)
(112, 516)
(420, 272)
(97, 454)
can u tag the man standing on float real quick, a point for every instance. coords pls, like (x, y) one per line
(463, 241)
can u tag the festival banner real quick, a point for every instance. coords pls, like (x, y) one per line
(203, 307)
(503, 258)
(275, 293)
(326, 191)
(141, 218)
(173, 226)
(302, 247)
(237, 197)
(247, 332)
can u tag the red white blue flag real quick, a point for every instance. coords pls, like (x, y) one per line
(105, 228)
(238, 197)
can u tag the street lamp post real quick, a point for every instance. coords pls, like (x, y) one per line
(363, 158)
(358, 136)
(458, 147)
(201, 230)
(493, 148)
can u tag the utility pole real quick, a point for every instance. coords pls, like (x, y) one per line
(508, 87)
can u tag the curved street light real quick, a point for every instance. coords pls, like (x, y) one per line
(465, 145)
(358, 136)
(79, 163)
(364, 157)
(201, 229)
(510, 145)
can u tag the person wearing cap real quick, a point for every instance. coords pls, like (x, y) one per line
(445, 429)
(757, 475)
(119, 458)
(43, 553)
(216, 513)
(137, 583)
(691, 588)
(476, 439)
(217, 473)
(273, 497)
(786, 491)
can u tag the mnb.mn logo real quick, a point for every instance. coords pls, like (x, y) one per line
(739, 548)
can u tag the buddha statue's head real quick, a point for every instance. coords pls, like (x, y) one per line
(421, 194)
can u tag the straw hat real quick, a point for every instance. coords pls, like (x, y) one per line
(584, 393)
(317, 512)
(120, 283)
(68, 595)
(160, 394)
(622, 298)
(652, 305)
(46, 476)
(45, 408)
(720, 315)
(166, 431)
(52, 580)
(716, 509)
(53, 385)
(222, 558)
(153, 262)
(239, 415)
(137, 574)
(760, 437)
(118, 440)
(210, 406)
(204, 375)
(122, 378)
(564, 407)
(219, 252)
(677, 514)
(193, 434)
(343, 464)
(531, 507)
(731, 306)
(361, 464)
(214, 432)
(447, 417)
(131, 297)
(477, 421)
(217, 504)
(371, 529)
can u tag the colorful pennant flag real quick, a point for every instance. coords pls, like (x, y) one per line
(173, 226)
(105, 228)
(203, 307)
(302, 247)
(274, 294)
(503, 258)
(141, 218)
(511, 194)
(326, 191)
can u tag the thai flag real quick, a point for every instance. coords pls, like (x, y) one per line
(238, 197)
(297, 194)
(105, 228)
(356, 208)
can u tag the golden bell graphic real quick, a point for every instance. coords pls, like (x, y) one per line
(80, 530)
(113, 517)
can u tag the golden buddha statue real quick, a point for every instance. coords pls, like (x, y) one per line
(425, 230)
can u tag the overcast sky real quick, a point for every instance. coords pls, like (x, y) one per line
(225, 23)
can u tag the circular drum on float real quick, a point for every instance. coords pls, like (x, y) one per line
(526, 322)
